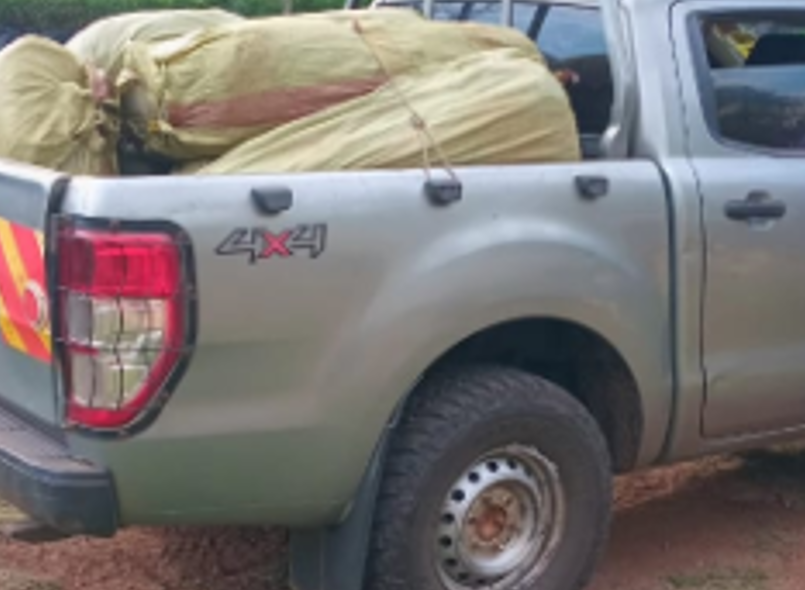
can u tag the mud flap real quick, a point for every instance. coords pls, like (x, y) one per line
(334, 558)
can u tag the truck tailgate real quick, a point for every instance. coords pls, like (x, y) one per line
(26, 379)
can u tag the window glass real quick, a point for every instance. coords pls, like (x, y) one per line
(483, 12)
(491, 13)
(573, 41)
(447, 10)
(757, 78)
(572, 32)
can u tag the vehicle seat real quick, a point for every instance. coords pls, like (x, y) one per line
(778, 49)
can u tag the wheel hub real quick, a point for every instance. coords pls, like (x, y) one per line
(493, 520)
(501, 520)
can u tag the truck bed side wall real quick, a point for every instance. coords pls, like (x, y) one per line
(301, 360)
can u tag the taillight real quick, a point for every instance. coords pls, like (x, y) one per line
(123, 300)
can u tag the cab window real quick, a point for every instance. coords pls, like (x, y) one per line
(754, 85)
(572, 40)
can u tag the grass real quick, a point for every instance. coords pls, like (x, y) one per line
(8, 514)
(727, 579)
(14, 581)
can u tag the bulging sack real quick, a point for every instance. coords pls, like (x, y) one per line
(54, 111)
(496, 107)
(203, 94)
(104, 42)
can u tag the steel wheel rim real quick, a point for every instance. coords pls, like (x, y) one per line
(501, 521)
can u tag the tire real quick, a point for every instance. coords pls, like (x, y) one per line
(495, 434)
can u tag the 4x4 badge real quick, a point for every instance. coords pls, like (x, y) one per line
(262, 244)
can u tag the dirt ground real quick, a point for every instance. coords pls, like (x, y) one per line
(719, 524)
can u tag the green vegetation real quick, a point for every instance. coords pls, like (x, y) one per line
(15, 581)
(730, 579)
(73, 14)
(8, 514)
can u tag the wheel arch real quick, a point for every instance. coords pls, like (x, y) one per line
(575, 357)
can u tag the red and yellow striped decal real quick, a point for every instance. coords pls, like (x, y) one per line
(23, 303)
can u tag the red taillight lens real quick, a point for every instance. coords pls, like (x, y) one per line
(123, 306)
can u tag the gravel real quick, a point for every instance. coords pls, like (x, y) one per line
(149, 559)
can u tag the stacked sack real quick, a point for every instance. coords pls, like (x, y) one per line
(209, 92)
(59, 106)
(104, 43)
(493, 107)
(55, 112)
(203, 94)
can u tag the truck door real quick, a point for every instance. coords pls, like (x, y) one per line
(742, 73)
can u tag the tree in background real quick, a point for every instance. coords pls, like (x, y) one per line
(60, 18)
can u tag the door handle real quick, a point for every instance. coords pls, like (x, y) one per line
(758, 205)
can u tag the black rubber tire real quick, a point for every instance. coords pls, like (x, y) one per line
(452, 420)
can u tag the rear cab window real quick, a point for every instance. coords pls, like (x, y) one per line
(571, 37)
(572, 40)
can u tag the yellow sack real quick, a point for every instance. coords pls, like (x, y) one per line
(191, 167)
(495, 107)
(52, 110)
(103, 43)
(201, 95)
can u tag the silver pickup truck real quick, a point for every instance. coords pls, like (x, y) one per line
(429, 383)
